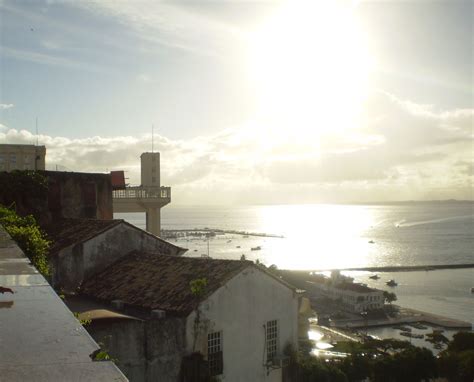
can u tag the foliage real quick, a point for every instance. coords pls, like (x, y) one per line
(82, 321)
(102, 356)
(28, 236)
(456, 363)
(462, 341)
(437, 338)
(389, 296)
(389, 360)
(23, 189)
(198, 286)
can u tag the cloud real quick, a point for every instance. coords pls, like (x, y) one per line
(400, 152)
(47, 59)
(4, 106)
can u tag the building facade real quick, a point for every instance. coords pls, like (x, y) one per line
(22, 157)
(354, 297)
(83, 247)
(234, 327)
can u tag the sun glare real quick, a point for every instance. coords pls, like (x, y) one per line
(310, 65)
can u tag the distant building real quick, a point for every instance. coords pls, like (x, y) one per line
(22, 157)
(234, 327)
(354, 297)
(84, 247)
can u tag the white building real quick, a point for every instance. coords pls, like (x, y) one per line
(22, 157)
(234, 328)
(354, 297)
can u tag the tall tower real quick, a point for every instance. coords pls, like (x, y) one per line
(150, 170)
(149, 197)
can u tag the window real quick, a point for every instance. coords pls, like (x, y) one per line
(214, 353)
(153, 180)
(272, 339)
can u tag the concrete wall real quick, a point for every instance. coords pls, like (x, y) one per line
(150, 169)
(143, 350)
(240, 309)
(79, 195)
(75, 264)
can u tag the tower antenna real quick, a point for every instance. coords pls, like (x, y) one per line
(152, 137)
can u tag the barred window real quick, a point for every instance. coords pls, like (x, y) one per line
(214, 353)
(272, 339)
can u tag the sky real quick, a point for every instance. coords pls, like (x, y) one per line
(251, 102)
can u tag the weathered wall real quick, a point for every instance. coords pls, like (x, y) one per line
(166, 342)
(240, 309)
(75, 264)
(144, 350)
(124, 340)
(67, 268)
(79, 195)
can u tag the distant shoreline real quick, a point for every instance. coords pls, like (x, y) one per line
(395, 268)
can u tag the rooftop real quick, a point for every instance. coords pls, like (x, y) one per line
(355, 287)
(152, 281)
(66, 232)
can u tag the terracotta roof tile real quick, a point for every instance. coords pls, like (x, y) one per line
(152, 281)
(66, 232)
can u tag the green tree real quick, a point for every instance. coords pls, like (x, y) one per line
(389, 296)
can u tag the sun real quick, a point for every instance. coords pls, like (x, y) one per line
(310, 66)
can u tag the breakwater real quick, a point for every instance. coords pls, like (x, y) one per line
(173, 233)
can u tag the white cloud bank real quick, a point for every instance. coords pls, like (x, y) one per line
(405, 151)
(4, 106)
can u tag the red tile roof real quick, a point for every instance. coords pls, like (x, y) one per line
(152, 281)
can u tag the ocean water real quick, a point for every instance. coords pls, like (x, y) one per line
(324, 236)
(332, 236)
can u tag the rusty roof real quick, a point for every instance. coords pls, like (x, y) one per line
(151, 281)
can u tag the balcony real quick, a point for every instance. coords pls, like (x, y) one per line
(138, 192)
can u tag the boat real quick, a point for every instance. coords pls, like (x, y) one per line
(238, 246)
(411, 335)
(402, 328)
(374, 277)
(391, 283)
(417, 325)
(258, 248)
(371, 242)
